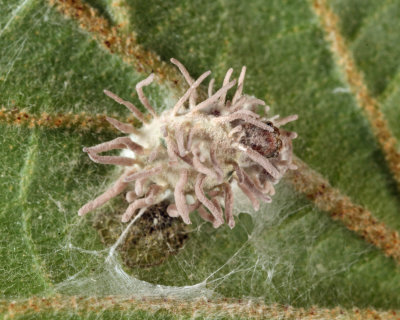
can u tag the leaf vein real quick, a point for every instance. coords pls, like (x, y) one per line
(366, 101)
(230, 308)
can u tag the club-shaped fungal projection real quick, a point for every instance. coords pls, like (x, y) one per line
(193, 153)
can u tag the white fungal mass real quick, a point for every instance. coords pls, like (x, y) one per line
(195, 152)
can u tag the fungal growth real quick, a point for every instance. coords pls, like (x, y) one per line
(194, 153)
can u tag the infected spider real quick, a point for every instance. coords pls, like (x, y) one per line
(193, 154)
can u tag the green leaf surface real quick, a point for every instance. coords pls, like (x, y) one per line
(290, 252)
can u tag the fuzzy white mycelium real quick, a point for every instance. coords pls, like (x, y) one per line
(193, 154)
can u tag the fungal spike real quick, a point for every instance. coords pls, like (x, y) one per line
(172, 211)
(217, 166)
(252, 197)
(204, 200)
(144, 174)
(154, 191)
(118, 143)
(118, 187)
(262, 161)
(179, 136)
(247, 118)
(229, 205)
(172, 150)
(180, 199)
(135, 205)
(239, 89)
(188, 78)
(248, 113)
(200, 167)
(183, 70)
(283, 121)
(123, 127)
(130, 196)
(214, 97)
(253, 188)
(186, 153)
(256, 101)
(235, 130)
(239, 172)
(210, 87)
(237, 105)
(139, 204)
(291, 135)
(226, 81)
(139, 186)
(192, 88)
(271, 189)
(118, 161)
(136, 112)
(143, 99)
(274, 118)
(219, 221)
(192, 132)
(206, 216)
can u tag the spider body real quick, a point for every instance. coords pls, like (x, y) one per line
(194, 154)
(264, 142)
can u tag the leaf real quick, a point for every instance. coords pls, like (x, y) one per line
(290, 253)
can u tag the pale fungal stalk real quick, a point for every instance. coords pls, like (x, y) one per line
(192, 153)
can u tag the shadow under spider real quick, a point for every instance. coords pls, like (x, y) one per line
(150, 241)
